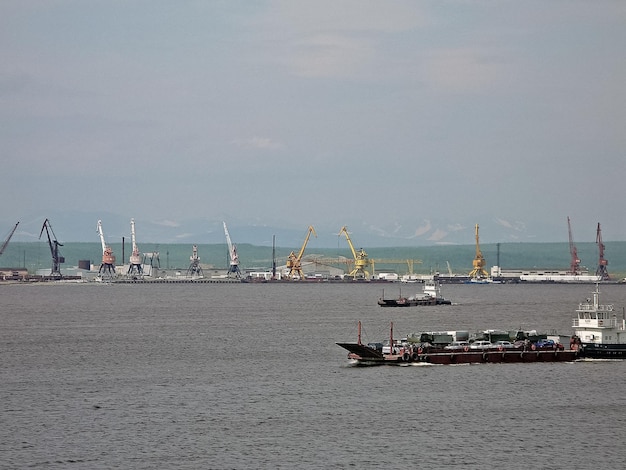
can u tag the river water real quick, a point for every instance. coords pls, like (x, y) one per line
(249, 376)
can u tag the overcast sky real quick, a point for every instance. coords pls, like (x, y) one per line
(315, 112)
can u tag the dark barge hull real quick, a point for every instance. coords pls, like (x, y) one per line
(412, 302)
(368, 356)
(602, 351)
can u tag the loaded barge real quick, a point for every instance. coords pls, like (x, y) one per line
(532, 348)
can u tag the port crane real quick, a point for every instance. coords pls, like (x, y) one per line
(602, 263)
(574, 265)
(6, 242)
(134, 267)
(194, 268)
(294, 262)
(361, 260)
(479, 271)
(233, 267)
(54, 249)
(108, 258)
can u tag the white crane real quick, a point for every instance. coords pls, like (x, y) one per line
(135, 257)
(194, 268)
(108, 258)
(233, 268)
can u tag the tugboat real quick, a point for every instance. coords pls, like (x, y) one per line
(598, 334)
(431, 295)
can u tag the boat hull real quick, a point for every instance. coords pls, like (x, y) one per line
(412, 302)
(603, 351)
(366, 356)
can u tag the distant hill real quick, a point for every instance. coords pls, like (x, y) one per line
(409, 232)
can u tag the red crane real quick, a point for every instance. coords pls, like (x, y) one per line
(574, 265)
(602, 263)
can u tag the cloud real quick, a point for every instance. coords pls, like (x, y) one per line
(464, 69)
(167, 223)
(517, 226)
(264, 143)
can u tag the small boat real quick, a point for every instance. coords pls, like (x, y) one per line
(431, 295)
(598, 334)
(405, 352)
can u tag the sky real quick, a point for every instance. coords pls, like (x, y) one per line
(419, 117)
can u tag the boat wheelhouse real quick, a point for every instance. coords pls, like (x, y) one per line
(597, 331)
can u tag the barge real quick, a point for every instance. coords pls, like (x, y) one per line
(407, 352)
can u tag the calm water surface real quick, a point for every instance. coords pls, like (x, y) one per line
(249, 376)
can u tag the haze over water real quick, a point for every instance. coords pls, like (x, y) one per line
(249, 376)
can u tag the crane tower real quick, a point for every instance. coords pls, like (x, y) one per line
(479, 271)
(54, 249)
(361, 260)
(233, 267)
(134, 267)
(574, 265)
(194, 268)
(108, 258)
(602, 263)
(294, 262)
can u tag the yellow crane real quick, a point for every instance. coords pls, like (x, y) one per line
(361, 260)
(294, 262)
(479, 271)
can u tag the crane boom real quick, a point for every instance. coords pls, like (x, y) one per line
(54, 249)
(294, 262)
(6, 242)
(574, 265)
(108, 258)
(233, 267)
(602, 263)
(134, 266)
(361, 260)
(479, 271)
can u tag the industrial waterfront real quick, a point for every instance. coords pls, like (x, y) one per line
(50, 258)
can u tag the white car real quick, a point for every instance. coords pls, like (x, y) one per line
(481, 345)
